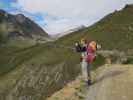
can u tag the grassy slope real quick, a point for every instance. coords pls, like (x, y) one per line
(12, 57)
(42, 54)
(114, 31)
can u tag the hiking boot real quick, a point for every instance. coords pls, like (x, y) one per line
(89, 82)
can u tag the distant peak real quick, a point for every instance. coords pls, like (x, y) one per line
(20, 18)
(2, 11)
(20, 15)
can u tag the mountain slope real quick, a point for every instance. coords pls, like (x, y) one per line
(114, 31)
(15, 26)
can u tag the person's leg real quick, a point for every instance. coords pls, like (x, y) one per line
(84, 66)
(89, 76)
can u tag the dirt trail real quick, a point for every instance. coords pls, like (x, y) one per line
(113, 83)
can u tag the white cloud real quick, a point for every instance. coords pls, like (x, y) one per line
(74, 11)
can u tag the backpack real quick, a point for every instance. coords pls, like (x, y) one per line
(90, 53)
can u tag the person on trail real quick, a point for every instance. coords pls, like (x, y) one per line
(87, 51)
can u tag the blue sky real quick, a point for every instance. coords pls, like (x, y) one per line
(12, 6)
(57, 16)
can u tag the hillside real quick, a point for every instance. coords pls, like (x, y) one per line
(114, 31)
(35, 72)
(18, 27)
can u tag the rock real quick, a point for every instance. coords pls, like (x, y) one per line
(115, 84)
(20, 18)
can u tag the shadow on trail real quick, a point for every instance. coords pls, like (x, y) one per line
(109, 73)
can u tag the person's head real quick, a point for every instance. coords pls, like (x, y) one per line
(83, 41)
(93, 45)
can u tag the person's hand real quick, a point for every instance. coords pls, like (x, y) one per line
(99, 46)
(76, 44)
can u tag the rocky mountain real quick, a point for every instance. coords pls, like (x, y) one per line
(18, 26)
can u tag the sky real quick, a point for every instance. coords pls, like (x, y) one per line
(58, 16)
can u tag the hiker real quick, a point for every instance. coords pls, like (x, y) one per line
(87, 51)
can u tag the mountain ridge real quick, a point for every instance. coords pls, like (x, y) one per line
(19, 26)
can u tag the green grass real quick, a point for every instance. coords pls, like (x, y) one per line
(129, 61)
(12, 57)
(100, 60)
